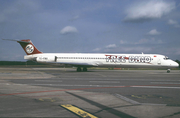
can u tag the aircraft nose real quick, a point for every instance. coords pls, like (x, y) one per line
(175, 64)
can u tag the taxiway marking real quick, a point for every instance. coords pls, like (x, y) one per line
(164, 83)
(135, 102)
(47, 81)
(78, 111)
(104, 81)
(99, 87)
(126, 99)
(71, 85)
(156, 87)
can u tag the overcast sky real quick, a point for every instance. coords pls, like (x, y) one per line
(91, 26)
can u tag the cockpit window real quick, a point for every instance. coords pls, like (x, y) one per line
(166, 58)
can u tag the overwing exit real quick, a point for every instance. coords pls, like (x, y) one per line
(84, 60)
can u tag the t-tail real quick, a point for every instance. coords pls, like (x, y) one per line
(27, 45)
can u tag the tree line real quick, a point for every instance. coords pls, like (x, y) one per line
(19, 63)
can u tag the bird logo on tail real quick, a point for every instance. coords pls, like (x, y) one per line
(29, 48)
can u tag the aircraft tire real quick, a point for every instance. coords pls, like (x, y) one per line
(85, 69)
(168, 70)
(79, 69)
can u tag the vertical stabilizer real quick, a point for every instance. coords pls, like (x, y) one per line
(28, 47)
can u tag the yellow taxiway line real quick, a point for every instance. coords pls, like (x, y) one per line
(78, 111)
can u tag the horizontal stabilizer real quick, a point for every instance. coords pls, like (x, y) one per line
(11, 39)
(19, 41)
(27, 45)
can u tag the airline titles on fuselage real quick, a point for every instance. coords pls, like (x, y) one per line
(109, 58)
(131, 59)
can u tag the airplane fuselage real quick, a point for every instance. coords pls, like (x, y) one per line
(104, 60)
(84, 60)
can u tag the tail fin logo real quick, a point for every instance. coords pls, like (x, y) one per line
(29, 48)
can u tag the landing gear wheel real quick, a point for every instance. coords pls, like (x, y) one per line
(79, 69)
(85, 69)
(168, 70)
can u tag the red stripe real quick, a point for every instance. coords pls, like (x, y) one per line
(84, 89)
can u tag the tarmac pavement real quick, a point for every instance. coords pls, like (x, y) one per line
(57, 92)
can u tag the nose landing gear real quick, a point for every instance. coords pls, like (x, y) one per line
(168, 70)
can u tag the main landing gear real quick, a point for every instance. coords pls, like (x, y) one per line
(168, 70)
(79, 69)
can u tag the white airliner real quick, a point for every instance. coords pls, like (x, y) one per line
(84, 60)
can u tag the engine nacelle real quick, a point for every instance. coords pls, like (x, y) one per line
(46, 59)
